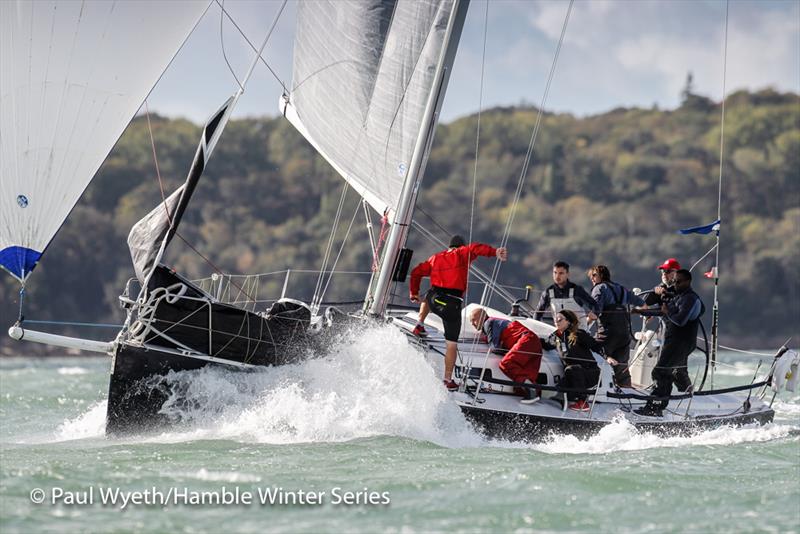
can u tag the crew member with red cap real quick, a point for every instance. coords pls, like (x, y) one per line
(665, 289)
(448, 271)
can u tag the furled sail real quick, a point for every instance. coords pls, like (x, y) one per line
(363, 73)
(150, 236)
(72, 76)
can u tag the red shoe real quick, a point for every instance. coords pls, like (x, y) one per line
(419, 331)
(580, 406)
(451, 385)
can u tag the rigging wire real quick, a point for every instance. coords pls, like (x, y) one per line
(222, 44)
(478, 133)
(155, 160)
(528, 155)
(239, 92)
(166, 207)
(328, 248)
(434, 221)
(338, 255)
(704, 256)
(252, 46)
(476, 338)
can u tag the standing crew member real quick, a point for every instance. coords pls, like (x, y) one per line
(614, 330)
(522, 347)
(662, 292)
(448, 271)
(566, 295)
(682, 317)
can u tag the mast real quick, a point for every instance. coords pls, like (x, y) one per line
(378, 293)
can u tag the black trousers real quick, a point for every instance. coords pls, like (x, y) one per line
(619, 347)
(672, 369)
(579, 377)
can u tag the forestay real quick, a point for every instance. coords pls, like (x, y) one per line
(72, 76)
(362, 75)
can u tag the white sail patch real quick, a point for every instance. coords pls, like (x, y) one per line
(363, 73)
(72, 76)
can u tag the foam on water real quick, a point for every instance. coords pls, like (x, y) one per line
(621, 435)
(90, 424)
(739, 369)
(371, 382)
(216, 476)
(72, 371)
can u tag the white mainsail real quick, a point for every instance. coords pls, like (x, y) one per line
(72, 76)
(363, 72)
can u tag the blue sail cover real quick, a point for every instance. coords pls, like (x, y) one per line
(72, 76)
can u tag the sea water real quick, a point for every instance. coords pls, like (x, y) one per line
(365, 439)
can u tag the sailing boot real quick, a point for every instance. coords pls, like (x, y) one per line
(649, 410)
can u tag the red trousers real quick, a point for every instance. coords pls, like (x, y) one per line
(523, 359)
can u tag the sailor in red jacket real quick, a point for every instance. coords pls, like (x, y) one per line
(522, 347)
(448, 271)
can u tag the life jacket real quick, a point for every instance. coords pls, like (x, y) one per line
(567, 303)
(614, 318)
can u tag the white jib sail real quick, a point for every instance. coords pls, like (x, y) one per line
(362, 75)
(72, 76)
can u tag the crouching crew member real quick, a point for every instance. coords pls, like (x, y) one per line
(575, 347)
(522, 348)
(448, 271)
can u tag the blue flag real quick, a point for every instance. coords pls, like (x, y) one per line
(707, 229)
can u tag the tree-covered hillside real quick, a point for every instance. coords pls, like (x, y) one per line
(610, 189)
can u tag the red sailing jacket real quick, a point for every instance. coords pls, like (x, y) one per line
(449, 268)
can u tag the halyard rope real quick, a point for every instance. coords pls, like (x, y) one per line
(506, 233)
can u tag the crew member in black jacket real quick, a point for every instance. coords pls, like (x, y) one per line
(682, 317)
(575, 347)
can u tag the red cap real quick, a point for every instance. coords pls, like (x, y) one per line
(670, 265)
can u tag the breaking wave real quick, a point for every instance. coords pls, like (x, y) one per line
(621, 435)
(90, 424)
(370, 383)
